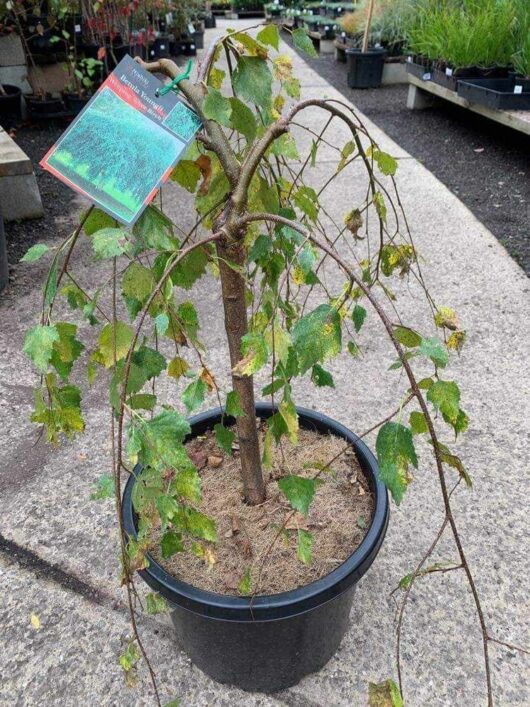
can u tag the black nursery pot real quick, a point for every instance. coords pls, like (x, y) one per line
(10, 104)
(75, 103)
(269, 643)
(365, 69)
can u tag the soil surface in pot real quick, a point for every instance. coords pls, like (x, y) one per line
(338, 518)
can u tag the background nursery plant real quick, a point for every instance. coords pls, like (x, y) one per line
(297, 288)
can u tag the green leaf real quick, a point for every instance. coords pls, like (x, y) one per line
(233, 404)
(216, 107)
(224, 437)
(353, 349)
(190, 269)
(254, 352)
(142, 401)
(173, 703)
(193, 395)
(187, 483)
(386, 163)
(285, 146)
(380, 206)
(187, 174)
(104, 488)
(161, 323)
(395, 451)
(434, 349)
(317, 336)
(252, 81)
(138, 282)
(188, 319)
(269, 35)
(358, 316)
(292, 88)
(197, 524)
(109, 242)
(302, 41)
(61, 414)
(306, 199)
(170, 544)
(347, 151)
(34, 253)
(321, 377)
(408, 337)
(418, 423)
(384, 694)
(155, 603)
(242, 119)
(287, 410)
(66, 350)
(38, 345)
(216, 77)
(445, 396)
(96, 220)
(299, 491)
(119, 334)
(245, 585)
(305, 546)
(154, 230)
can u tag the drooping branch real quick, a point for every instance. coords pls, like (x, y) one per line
(424, 408)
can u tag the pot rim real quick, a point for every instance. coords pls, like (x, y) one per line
(294, 601)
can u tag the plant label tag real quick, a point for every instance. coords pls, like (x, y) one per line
(426, 77)
(77, 29)
(409, 59)
(191, 28)
(517, 89)
(124, 144)
(448, 72)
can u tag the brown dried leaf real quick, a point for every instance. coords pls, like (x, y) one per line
(204, 163)
(198, 457)
(214, 461)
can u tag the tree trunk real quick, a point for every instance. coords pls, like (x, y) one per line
(236, 325)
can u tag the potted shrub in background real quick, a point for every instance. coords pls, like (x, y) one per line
(365, 65)
(85, 75)
(259, 607)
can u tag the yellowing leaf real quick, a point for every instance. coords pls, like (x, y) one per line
(177, 367)
(35, 621)
(119, 335)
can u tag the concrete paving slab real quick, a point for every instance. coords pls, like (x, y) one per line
(45, 506)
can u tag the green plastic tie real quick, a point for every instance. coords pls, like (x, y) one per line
(174, 85)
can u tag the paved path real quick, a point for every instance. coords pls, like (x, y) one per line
(58, 556)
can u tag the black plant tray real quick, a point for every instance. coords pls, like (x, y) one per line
(421, 71)
(451, 82)
(494, 93)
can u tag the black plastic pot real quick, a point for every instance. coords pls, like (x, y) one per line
(75, 103)
(10, 105)
(365, 69)
(270, 642)
(198, 39)
(44, 108)
(209, 22)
